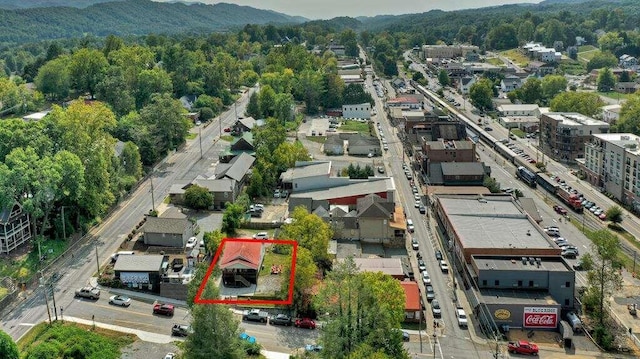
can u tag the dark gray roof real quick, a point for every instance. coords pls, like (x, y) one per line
(237, 168)
(358, 140)
(334, 141)
(165, 225)
(462, 168)
(5, 214)
(435, 174)
(321, 212)
(248, 122)
(173, 212)
(217, 185)
(139, 263)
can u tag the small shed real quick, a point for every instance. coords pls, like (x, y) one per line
(142, 272)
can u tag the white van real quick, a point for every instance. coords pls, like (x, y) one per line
(114, 257)
(410, 226)
(574, 321)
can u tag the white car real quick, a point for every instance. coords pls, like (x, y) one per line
(261, 235)
(170, 356)
(444, 267)
(120, 300)
(191, 242)
(462, 317)
(426, 279)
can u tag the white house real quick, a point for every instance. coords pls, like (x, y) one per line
(465, 84)
(611, 113)
(510, 83)
(362, 110)
(519, 110)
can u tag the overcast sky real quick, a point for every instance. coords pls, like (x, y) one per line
(327, 9)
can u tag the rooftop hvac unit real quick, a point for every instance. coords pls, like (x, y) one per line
(539, 260)
(531, 260)
(524, 260)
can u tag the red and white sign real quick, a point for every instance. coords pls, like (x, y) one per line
(540, 317)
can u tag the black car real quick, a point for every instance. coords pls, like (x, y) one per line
(438, 255)
(280, 319)
(422, 209)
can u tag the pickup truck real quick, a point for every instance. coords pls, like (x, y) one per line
(255, 315)
(180, 330)
(88, 292)
(522, 347)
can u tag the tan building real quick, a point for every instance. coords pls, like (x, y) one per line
(563, 135)
(446, 51)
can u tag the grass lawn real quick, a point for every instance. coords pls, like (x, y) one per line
(584, 48)
(25, 266)
(495, 61)
(518, 132)
(271, 258)
(587, 55)
(227, 138)
(71, 340)
(317, 139)
(349, 125)
(516, 56)
(3, 292)
(616, 95)
(191, 136)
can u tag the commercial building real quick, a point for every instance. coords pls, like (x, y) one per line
(446, 51)
(612, 163)
(515, 272)
(563, 135)
(507, 110)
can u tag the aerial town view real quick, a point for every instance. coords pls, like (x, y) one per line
(335, 180)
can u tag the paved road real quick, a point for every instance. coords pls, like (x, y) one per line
(104, 240)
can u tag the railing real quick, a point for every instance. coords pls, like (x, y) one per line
(241, 279)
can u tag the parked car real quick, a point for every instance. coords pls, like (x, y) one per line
(522, 347)
(426, 279)
(280, 319)
(602, 216)
(177, 264)
(414, 244)
(560, 210)
(422, 265)
(431, 295)
(88, 292)
(163, 309)
(227, 129)
(120, 300)
(380, 169)
(462, 317)
(305, 323)
(435, 309)
(313, 348)
(568, 253)
(438, 255)
(422, 209)
(261, 235)
(255, 315)
(180, 330)
(170, 356)
(444, 267)
(191, 242)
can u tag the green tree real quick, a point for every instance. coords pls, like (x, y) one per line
(443, 78)
(531, 91)
(491, 184)
(610, 41)
(502, 37)
(212, 241)
(481, 94)
(114, 90)
(215, 330)
(53, 79)
(333, 90)
(355, 94)
(8, 348)
(197, 197)
(308, 89)
(614, 214)
(304, 281)
(288, 153)
(362, 308)
(87, 68)
(311, 232)
(606, 81)
(213, 103)
(553, 85)
(629, 121)
(625, 76)
(283, 108)
(167, 123)
(154, 81)
(267, 101)
(602, 59)
(349, 39)
(231, 218)
(586, 103)
(253, 107)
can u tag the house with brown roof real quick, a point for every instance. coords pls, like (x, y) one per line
(412, 307)
(240, 263)
(15, 228)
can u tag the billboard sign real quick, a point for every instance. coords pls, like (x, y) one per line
(540, 317)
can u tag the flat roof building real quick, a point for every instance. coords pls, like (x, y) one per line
(563, 135)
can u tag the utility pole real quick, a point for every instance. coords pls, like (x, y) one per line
(64, 229)
(200, 137)
(46, 299)
(420, 327)
(634, 263)
(53, 298)
(153, 202)
(97, 260)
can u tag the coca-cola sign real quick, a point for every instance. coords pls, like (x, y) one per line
(540, 317)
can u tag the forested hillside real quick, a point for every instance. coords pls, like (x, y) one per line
(134, 17)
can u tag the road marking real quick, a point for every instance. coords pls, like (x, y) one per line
(27, 324)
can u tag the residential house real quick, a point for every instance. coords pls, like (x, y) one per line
(223, 190)
(245, 125)
(334, 145)
(511, 110)
(338, 50)
(412, 307)
(539, 68)
(611, 113)
(237, 169)
(360, 145)
(465, 84)
(510, 83)
(188, 101)
(626, 87)
(15, 228)
(398, 83)
(37, 116)
(241, 144)
(171, 229)
(580, 41)
(141, 272)
(390, 266)
(472, 56)
(628, 62)
(361, 110)
(241, 262)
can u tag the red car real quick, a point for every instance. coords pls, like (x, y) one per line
(305, 323)
(227, 129)
(164, 309)
(560, 210)
(523, 347)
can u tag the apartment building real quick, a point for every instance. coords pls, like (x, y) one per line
(612, 163)
(563, 135)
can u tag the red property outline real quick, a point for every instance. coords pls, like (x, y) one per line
(289, 300)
